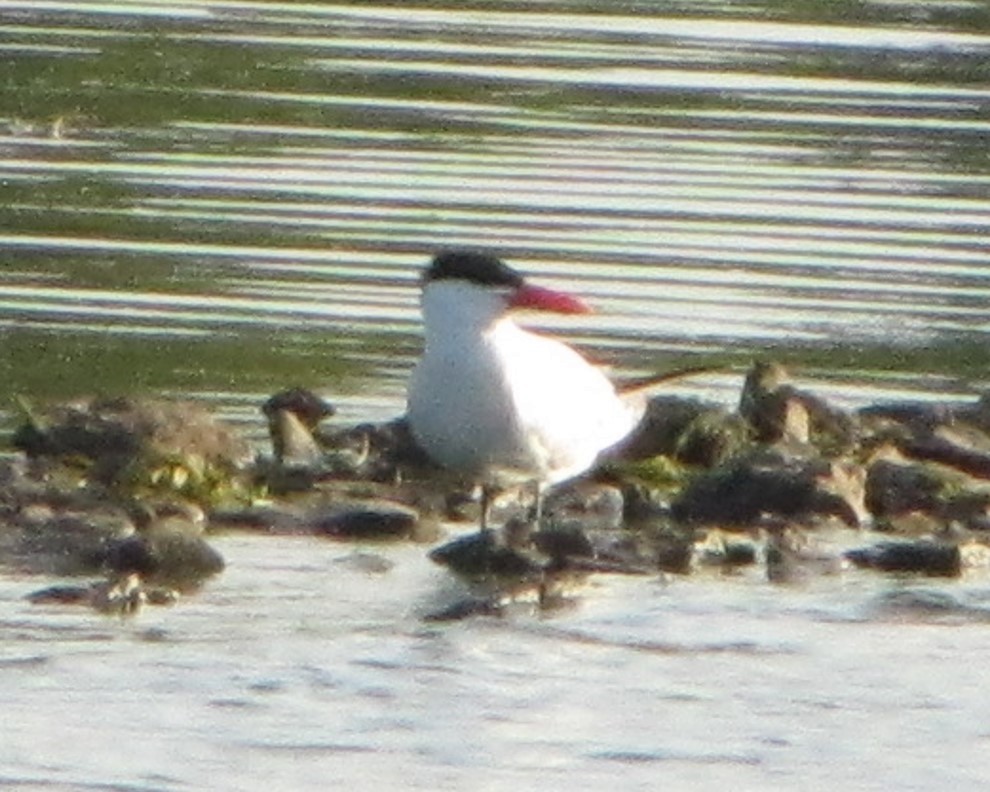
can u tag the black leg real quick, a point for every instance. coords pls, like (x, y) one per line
(537, 512)
(487, 496)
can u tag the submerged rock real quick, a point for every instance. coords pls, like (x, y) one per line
(119, 596)
(794, 555)
(501, 567)
(518, 556)
(467, 607)
(725, 550)
(366, 563)
(503, 557)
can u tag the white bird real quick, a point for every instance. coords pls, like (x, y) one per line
(495, 403)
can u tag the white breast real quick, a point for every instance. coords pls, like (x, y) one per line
(493, 399)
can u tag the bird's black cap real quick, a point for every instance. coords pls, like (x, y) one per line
(472, 266)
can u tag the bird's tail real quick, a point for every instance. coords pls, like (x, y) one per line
(632, 386)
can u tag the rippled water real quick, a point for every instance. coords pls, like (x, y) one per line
(219, 199)
(294, 669)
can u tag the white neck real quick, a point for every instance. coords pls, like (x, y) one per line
(454, 309)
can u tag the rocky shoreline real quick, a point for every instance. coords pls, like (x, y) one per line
(125, 495)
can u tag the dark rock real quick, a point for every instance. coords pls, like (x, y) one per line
(950, 451)
(936, 559)
(64, 543)
(64, 529)
(778, 412)
(348, 512)
(577, 553)
(970, 509)
(507, 564)
(141, 447)
(374, 452)
(773, 484)
(740, 554)
(918, 417)
(309, 408)
(902, 491)
(168, 548)
(488, 555)
(120, 596)
(82, 430)
(562, 545)
(894, 488)
(642, 503)
(370, 520)
(712, 438)
(295, 476)
(953, 435)
(687, 430)
(664, 420)
(517, 558)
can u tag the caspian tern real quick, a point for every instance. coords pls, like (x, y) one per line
(496, 403)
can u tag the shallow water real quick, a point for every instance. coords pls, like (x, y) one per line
(296, 669)
(218, 199)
